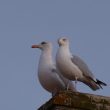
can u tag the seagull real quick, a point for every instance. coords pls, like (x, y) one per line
(74, 68)
(49, 77)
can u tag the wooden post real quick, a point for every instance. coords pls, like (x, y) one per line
(68, 100)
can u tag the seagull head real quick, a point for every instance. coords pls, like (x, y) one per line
(63, 41)
(43, 46)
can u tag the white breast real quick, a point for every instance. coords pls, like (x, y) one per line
(66, 66)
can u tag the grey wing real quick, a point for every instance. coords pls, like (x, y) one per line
(82, 66)
(59, 78)
(65, 81)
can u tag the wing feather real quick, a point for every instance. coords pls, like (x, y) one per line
(82, 66)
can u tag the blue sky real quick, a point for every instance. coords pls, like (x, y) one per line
(25, 22)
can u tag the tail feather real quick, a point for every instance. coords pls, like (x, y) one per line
(94, 84)
(91, 83)
(99, 83)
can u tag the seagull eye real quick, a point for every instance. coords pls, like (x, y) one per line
(43, 43)
(64, 39)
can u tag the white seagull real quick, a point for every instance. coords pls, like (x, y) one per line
(73, 67)
(48, 75)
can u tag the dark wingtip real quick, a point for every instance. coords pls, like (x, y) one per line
(101, 83)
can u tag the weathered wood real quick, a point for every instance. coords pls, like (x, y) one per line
(68, 100)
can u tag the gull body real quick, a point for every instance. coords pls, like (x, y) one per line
(73, 67)
(48, 75)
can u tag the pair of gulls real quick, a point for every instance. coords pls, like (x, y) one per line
(55, 77)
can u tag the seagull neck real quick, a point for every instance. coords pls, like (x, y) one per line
(46, 55)
(65, 48)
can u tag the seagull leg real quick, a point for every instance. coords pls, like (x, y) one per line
(75, 82)
(67, 88)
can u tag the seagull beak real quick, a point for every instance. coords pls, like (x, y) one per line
(36, 46)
